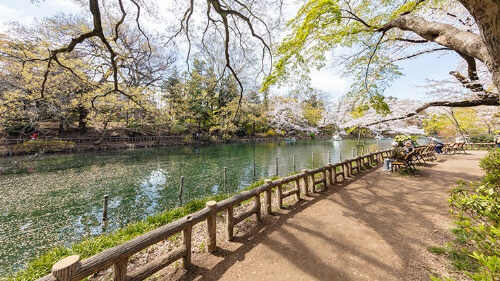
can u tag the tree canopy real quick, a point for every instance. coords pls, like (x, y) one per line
(369, 37)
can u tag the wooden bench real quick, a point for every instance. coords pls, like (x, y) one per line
(406, 163)
(457, 147)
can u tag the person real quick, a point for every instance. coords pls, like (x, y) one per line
(408, 146)
(497, 139)
(439, 145)
(396, 153)
(34, 136)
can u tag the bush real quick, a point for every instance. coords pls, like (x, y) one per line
(476, 208)
(482, 139)
(43, 146)
(226, 137)
(271, 133)
(400, 139)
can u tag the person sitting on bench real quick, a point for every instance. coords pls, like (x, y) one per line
(396, 153)
(439, 145)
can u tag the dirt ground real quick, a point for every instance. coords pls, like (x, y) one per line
(377, 226)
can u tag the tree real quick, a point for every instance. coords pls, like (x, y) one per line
(382, 33)
(287, 115)
(77, 85)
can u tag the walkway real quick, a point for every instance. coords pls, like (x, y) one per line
(375, 227)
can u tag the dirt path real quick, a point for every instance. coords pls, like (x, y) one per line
(375, 227)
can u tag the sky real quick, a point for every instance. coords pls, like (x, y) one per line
(415, 71)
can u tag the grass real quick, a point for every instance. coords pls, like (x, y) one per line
(459, 258)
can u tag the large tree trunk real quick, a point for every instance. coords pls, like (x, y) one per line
(487, 16)
(485, 48)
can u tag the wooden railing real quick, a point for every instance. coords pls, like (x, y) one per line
(301, 184)
(479, 146)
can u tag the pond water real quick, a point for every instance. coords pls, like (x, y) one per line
(55, 200)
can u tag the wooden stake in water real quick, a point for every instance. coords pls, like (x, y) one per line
(293, 162)
(353, 153)
(276, 166)
(225, 177)
(105, 209)
(312, 158)
(254, 174)
(340, 155)
(181, 189)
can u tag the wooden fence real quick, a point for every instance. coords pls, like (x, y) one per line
(298, 185)
(303, 183)
(479, 146)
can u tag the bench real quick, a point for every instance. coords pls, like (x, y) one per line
(406, 163)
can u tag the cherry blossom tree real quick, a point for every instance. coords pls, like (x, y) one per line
(287, 115)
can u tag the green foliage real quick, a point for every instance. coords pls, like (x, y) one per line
(476, 208)
(482, 138)
(226, 137)
(400, 139)
(315, 22)
(43, 146)
(271, 133)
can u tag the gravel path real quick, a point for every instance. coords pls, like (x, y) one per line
(377, 226)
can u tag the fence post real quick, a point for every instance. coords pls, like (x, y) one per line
(267, 196)
(105, 209)
(257, 206)
(329, 175)
(279, 195)
(120, 270)
(63, 269)
(297, 186)
(211, 226)
(313, 184)
(306, 182)
(186, 260)
(230, 223)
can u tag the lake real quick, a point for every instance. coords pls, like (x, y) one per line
(58, 199)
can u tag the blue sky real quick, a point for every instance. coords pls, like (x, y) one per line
(415, 71)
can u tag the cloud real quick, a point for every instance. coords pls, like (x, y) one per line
(328, 81)
(10, 14)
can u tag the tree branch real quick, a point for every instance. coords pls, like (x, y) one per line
(491, 100)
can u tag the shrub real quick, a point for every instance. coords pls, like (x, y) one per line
(476, 208)
(226, 137)
(43, 146)
(482, 139)
(270, 133)
(400, 139)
